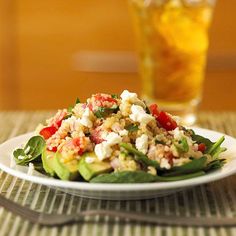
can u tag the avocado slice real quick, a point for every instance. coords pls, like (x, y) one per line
(67, 170)
(90, 170)
(47, 160)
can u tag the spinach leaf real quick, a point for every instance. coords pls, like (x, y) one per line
(31, 152)
(102, 112)
(182, 145)
(215, 149)
(139, 156)
(212, 148)
(139, 177)
(190, 167)
(125, 177)
(131, 128)
(214, 165)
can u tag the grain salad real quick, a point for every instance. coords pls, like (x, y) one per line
(111, 138)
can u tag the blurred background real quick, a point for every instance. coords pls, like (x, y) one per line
(54, 51)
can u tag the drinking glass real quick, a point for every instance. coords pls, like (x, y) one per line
(172, 40)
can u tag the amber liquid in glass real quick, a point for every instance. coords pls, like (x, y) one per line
(172, 42)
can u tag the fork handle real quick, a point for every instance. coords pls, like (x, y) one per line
(164, 220)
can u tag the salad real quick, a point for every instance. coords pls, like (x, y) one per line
(112, 139)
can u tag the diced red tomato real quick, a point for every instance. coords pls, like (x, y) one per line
(201, 147)
(79, 143)
(101, 100)
(170, 158)
(166, 121)
(47, 132)
(52, 149)
(154, 110)
(105, 98)
(96, 136)
(57, 120)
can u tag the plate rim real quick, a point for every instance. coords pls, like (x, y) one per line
(119, 187)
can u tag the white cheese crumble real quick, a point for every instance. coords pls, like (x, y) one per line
(113, 138)
(142, 143)
(27, 150)
(85, 120)
(126, 96)
(179, 134)
(123, 132)
(139, 115)
(103, 150)
(165, 164)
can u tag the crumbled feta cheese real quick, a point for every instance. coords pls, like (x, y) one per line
(85, 120)
(89, 160)
(165, 164)
(103, 150)
(27, 150)
(21, 157)
(139, 115)
(113, 138)
(142, 143)
(126, 96)
(178, 134)
(123, 132)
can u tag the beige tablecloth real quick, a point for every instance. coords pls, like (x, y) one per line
(217, 198)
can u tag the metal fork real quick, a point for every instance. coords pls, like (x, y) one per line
(62, 219)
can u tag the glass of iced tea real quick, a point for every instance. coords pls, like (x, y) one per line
(172, 38)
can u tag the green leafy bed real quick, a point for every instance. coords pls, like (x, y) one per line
(32, 153)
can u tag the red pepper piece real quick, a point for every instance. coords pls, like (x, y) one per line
(52, 149)
(47, 132)
(166, 121)
(201, 147)
(154, 110)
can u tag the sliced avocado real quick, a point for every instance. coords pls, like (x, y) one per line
(47, 159)
(67, 170)
(90, 170)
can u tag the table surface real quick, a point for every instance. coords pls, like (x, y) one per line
(217, 198)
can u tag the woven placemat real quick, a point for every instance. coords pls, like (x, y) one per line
(217, 198)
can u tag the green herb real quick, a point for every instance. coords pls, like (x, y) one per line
(139, 177)
(182, 145)
(194, 165)
(148, 110)
(102, 112)
(159, 142)
(67, 116)
(69, 109)
(139, 156)
(115, 96)
(31, 152)
(131, 128)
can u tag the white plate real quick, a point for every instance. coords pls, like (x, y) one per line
(118, 191)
